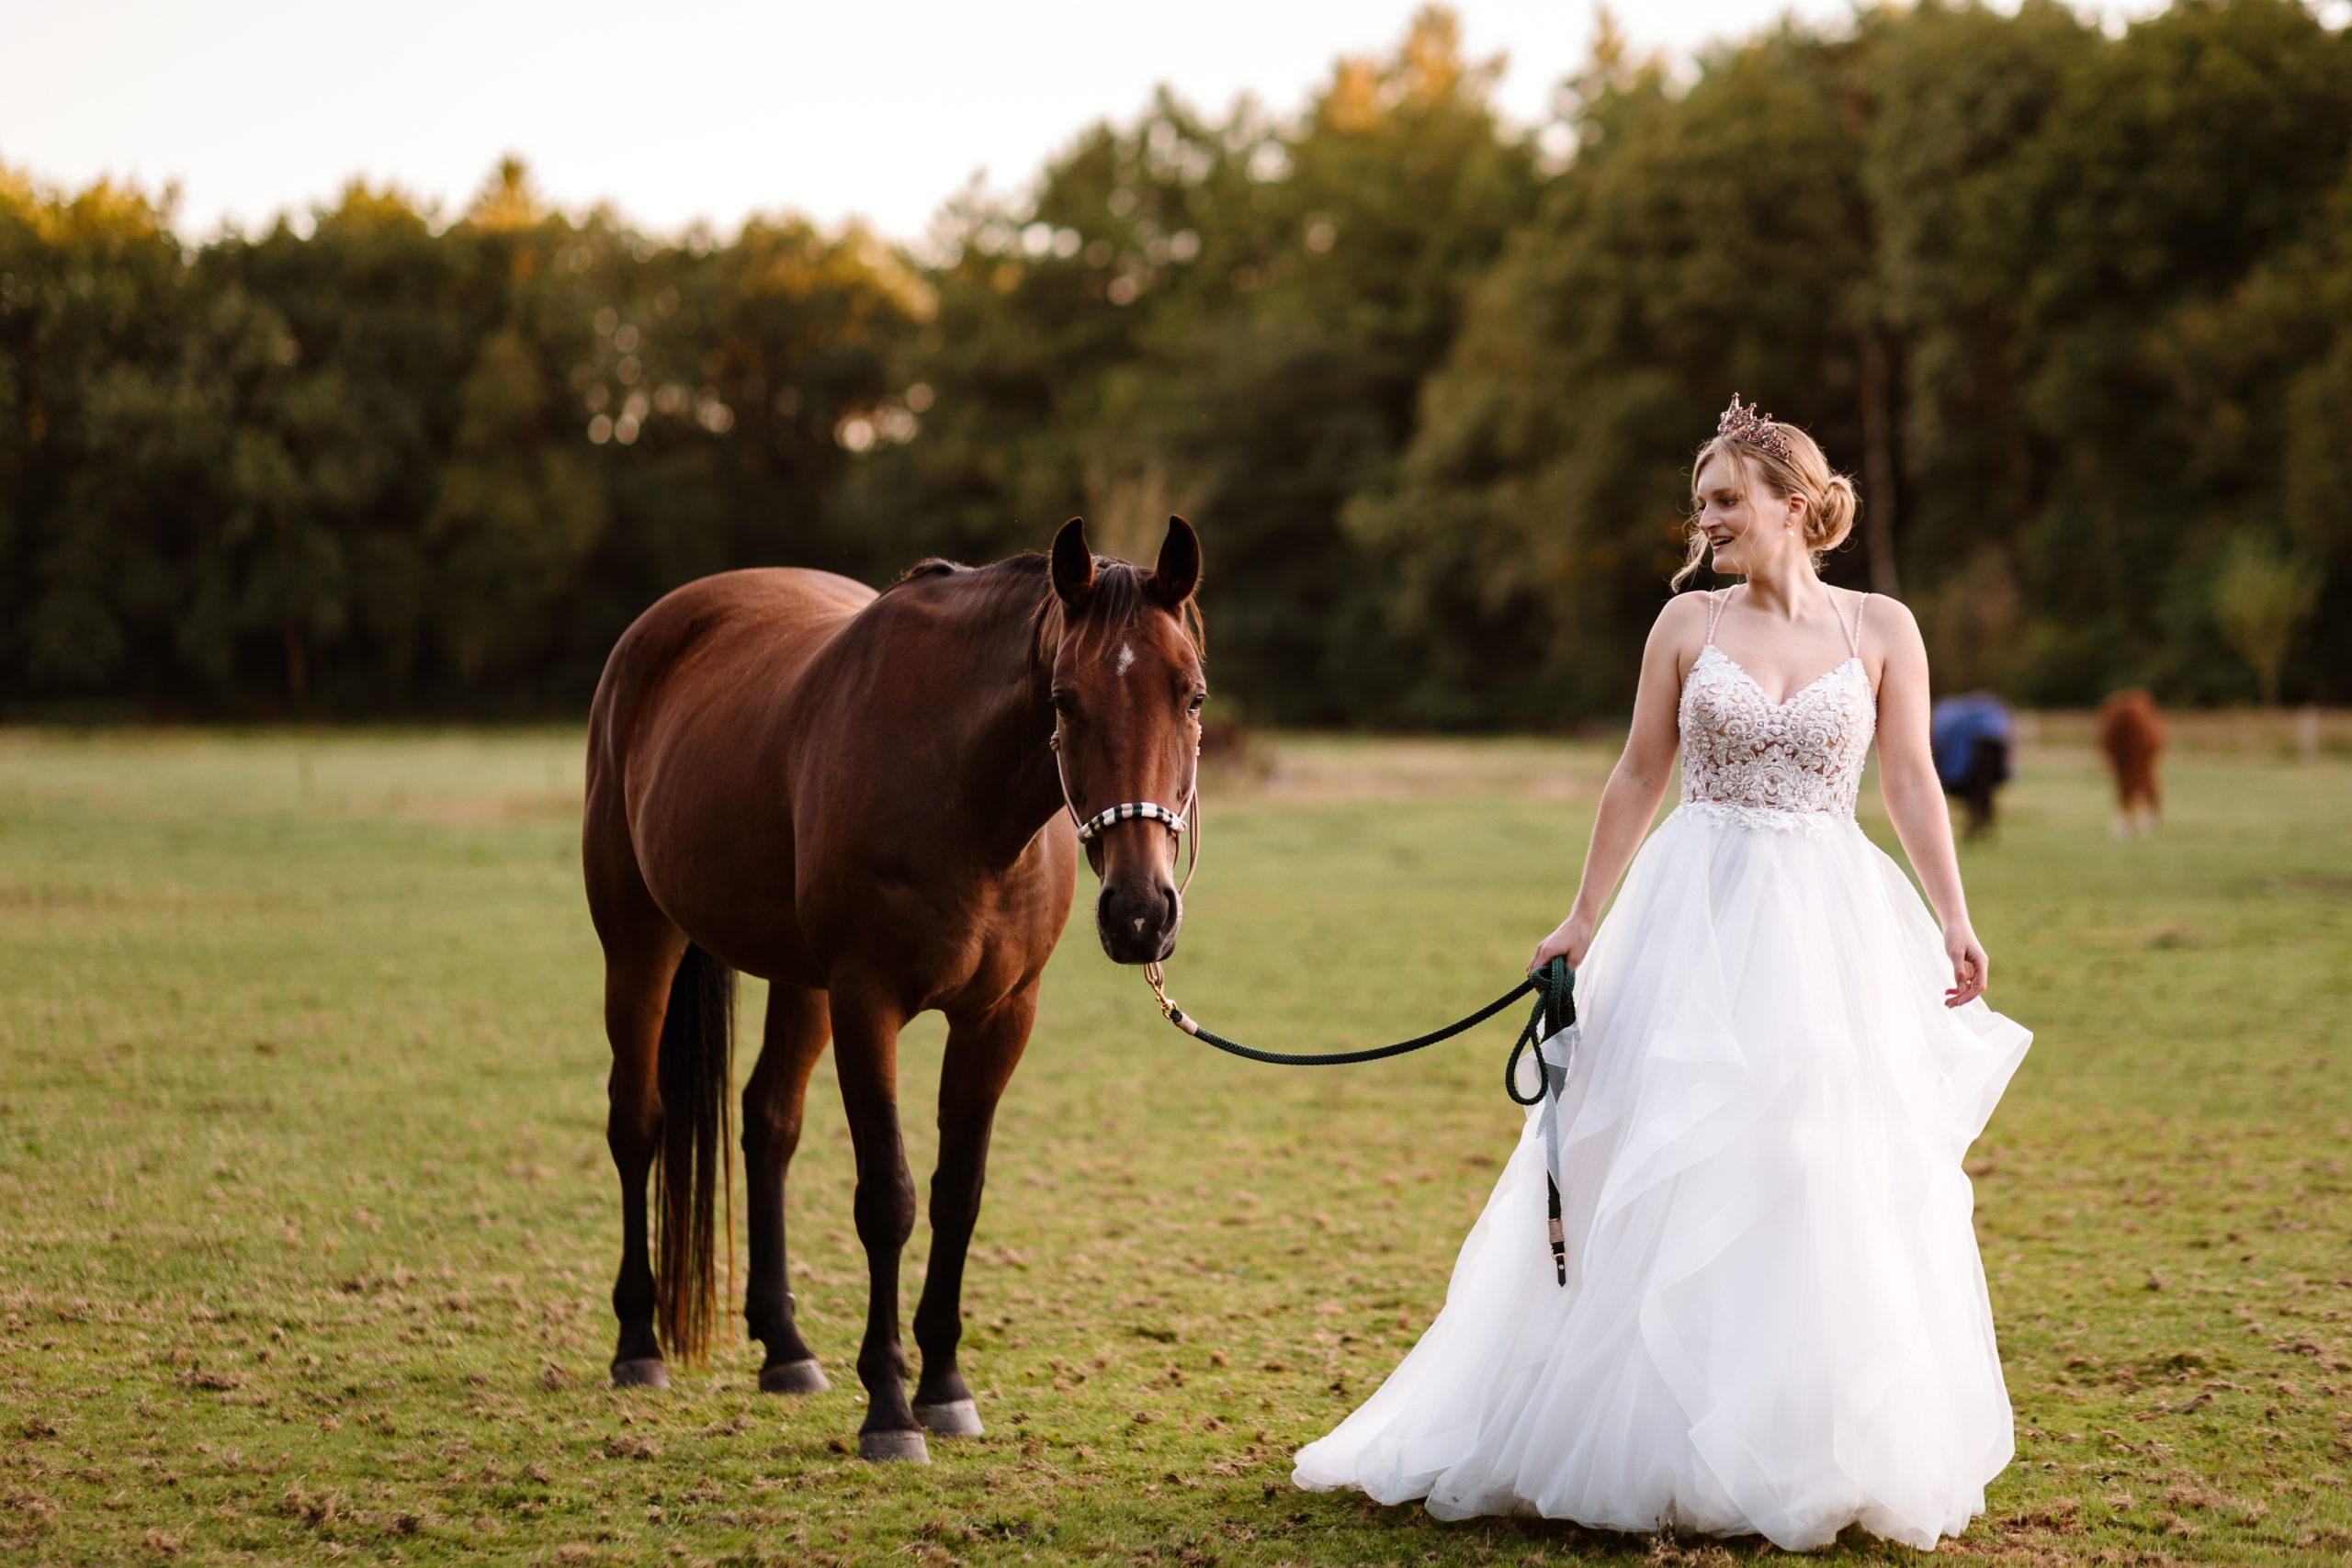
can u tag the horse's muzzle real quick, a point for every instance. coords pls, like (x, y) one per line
(1138, 925)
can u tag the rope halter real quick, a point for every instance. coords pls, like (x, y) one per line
(1185, 824)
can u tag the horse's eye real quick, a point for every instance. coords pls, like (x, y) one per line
(1193, 707)
(1064, 703)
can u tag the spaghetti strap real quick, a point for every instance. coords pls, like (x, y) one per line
(1854, 638)
(1715, 603)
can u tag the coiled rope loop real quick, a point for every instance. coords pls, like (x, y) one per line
(1556, 1009)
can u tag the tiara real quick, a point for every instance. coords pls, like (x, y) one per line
(1754, 427)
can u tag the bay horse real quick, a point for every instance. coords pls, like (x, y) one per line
(875, 802)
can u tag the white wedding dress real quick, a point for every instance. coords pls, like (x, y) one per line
(1775, 1319)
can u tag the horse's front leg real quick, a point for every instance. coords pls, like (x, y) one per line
(866, 1021)
(982, 1051)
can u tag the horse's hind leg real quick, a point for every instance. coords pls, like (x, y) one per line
(797, 1028)
(865, 1054)
(982, 1055)
(636, 993)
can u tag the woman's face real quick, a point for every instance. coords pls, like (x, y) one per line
(1744, 523)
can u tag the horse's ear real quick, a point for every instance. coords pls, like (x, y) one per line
(1073, 562)
(1179, 571)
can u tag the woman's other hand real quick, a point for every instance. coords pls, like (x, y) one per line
(1968, 965)
(1568, 941)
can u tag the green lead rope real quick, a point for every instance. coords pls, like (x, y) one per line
(1554, 987)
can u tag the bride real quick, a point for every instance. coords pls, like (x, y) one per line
(1773, 1319)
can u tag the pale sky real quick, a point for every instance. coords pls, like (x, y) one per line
(714, 111)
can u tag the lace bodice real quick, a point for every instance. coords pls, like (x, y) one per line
(1795, 765)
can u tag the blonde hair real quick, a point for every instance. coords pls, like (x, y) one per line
(1830, 497)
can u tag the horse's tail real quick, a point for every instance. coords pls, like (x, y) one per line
(697, 1073)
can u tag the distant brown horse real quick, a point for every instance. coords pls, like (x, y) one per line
(2131, 733)
(856, 797)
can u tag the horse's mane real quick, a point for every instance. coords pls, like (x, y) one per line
(1120, 595)
(1027, 564)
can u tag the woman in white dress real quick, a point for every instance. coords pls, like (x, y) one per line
(1774, 1319)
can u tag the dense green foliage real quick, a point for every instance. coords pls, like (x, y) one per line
(374, 465)
(2075, 307)
(307, 1225)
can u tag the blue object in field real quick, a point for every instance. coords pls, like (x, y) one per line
(1959, 723)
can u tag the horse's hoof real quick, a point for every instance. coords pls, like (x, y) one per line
(880, 1446)
(954, 1418)
(804, 1376)
(645, 1372)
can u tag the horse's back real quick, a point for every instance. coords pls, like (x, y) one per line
(692, 724)
(764, 622)
(2131, 728)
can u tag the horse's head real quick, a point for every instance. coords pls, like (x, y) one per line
(1127, 689)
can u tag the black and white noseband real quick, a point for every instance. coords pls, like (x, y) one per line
(1092, 828)
(1133, 810)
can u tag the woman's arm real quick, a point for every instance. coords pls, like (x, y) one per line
(1636, 784)
(1915, 800)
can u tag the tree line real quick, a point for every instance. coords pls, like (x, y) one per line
(2076, 307)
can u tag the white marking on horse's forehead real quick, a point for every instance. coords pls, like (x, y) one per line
(1126, 656)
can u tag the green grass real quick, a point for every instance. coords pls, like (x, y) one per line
(306, 1224)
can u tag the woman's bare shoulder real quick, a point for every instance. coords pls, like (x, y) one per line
(1886, 614)
(1677, 633)
(1684, 610)
(1680, 625)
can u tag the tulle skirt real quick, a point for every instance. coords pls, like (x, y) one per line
(1775, 1320)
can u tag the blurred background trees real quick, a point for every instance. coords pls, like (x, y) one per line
(2075, 307)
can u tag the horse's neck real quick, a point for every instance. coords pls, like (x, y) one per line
(1002, 773)
(1012, 779)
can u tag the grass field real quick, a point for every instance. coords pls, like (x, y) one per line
(307, 1225)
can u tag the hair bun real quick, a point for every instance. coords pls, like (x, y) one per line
(1835, 517)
